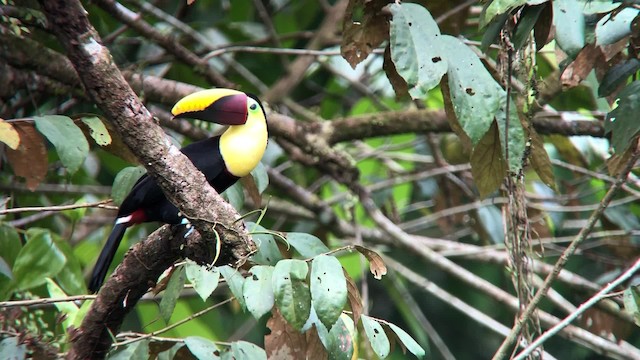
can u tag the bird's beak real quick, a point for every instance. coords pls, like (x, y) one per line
(221, 106)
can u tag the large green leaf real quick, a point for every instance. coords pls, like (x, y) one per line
(258, 290)
(328, 289)
(622, 121)
(408, 341)
(172, 293)
(306, 244)
(474, 93)
(11, 349)
(610, 28)
(68, 139)
(339, 340)
(39, 259)
(261, 177)
(202, 348)
(377, 337)
(291, 292)
(9, 243)
(135, 350)
(617, 75)
(67, 308)
(268, 251)
(97, 130)
(204, 280)
(235, 281)
(124, 182)
(243, 350)
(414, 49)
(569, 22)
(515, 135)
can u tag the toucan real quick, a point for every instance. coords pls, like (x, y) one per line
(223, 159)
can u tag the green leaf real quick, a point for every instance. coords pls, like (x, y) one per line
(408, 341)
(611, 29)
(204, 280)
(11, 349)
(617, 75)
(268, 252)
(414, 49)
(516, 136)
(339, 341)
(132, 351)
(291, 292)
(527, 21)
(622, 122)
(569, 22)
(306, 244)
(490, 218)
(124, 182)
(170, 354)
(631, 297)
(97, 130)
(234, 195)
(9, 243)
(487, 164)
(258, 290)
(498, 7)
(243, 350)
(67, 308)
(475, 95)
(68, 139)
(202, 348)
(376, 335)
(328, 289)
(172, 293)
(235, 281)
(39, 259)
(261, 177)
(78, 213)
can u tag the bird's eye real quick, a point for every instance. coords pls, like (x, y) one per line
(253, 106)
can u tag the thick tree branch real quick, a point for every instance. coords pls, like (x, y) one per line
(175, 174)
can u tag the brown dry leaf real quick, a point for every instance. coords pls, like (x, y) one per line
(540, 159)
(604, 324)
(355, 300)
(376, 265)
(542, 29)
(397, 82)
(9, 135)
(29, 160)
(250, 185)
(488, 166)
(578, 70)
(362, 36)
(286, 343)
(617, 162)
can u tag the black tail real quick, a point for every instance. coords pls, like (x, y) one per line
(106, 257)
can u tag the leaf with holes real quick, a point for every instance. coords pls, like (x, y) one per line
(172, 293)
(268, 252)
(97, 130)
(204, 280)
(414, 48)
(377, 337)
(328, 289)
(622, 122)
(71, 145)
(243, 350)
(376, 264)
(258, 290)
(291, 292)
(475, 96)
(339, 341)
(306, 244)
(360, 38)
(235, 281)
(487, 164)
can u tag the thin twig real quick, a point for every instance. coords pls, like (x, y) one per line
(99, 204)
